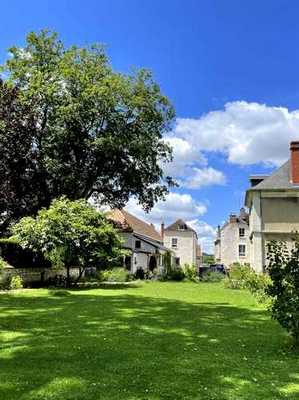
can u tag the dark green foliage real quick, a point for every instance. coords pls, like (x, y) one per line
(176, 274)
(70, 125)
(13, 253)
(283, 269)
(167, 262)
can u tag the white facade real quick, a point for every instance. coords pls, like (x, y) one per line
(232, 243)
(183, 243)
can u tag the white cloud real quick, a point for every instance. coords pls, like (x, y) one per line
(204, 177)
(175, 206)
(246, 133)
(206, 234)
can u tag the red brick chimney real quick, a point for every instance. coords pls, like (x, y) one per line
(294, 147)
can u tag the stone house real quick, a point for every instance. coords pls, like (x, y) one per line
(232, 241)
(183, 241)
(144, 243)
(273, 203)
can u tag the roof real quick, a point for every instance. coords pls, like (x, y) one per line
(129, 223)
(176, 226)
(280, 179)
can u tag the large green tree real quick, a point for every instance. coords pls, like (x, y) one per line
(82, 129)
(71, 233)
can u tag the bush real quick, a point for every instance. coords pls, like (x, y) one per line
(139, 274)
(283, 269)
(176, 274)
(243, 277)
(115, 275)
(212, 276)
(190, 271)
(16, 282)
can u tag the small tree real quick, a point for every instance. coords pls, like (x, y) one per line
(284, 271)
(70, 233)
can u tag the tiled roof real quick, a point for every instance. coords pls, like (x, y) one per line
(128, 222)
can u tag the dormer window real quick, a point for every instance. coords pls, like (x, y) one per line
(182, 227)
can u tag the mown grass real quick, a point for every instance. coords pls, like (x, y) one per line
(160, 341)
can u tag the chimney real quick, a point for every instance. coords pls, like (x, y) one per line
(233, 218)
(162, 230)
(294, 147)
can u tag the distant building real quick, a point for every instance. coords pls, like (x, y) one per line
(273, 202)
(232, 241)
(143, 242)
(183, 241)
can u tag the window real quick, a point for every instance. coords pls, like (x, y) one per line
(182, 227)
(174, 243)
(177, 261)
(242, 250)
(137, 244)
(241, 232)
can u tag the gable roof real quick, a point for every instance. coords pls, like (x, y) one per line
(177, 224)
(129, 223)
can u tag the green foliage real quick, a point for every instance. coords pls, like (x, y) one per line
(2, 264)
(115, 275)
(176, 274)
(70, 233)
(72, 126)
(243, 277)
(212, 276)
(190, 271)
(16, 282)
(208, 259)
(167, 262)
(283, 269)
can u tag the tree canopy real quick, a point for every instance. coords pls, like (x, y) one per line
(70, 125)
(70, 233)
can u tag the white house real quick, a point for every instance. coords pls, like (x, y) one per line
(183, 241)
(232, 241)
(273, 203)
(144, 243)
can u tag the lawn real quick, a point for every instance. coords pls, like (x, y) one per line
(160, 341)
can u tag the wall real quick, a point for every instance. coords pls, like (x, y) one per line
(186, 249)
(230, 241)
(280, 214)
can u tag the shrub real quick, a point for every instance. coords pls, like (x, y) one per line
(16, 282)
(176, 274)
(243, 277)
(139, 274)
(283, 269)
(212, 276)
(190, 271)
(115, 275)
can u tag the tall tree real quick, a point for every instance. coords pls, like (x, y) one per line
(82, 129)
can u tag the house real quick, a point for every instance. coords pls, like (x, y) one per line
(183, 241)
(273, 203)
(144, 243)
(232, 241)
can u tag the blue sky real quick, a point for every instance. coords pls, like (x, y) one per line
(229, 67)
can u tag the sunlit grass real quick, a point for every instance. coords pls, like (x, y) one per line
(160, 341)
